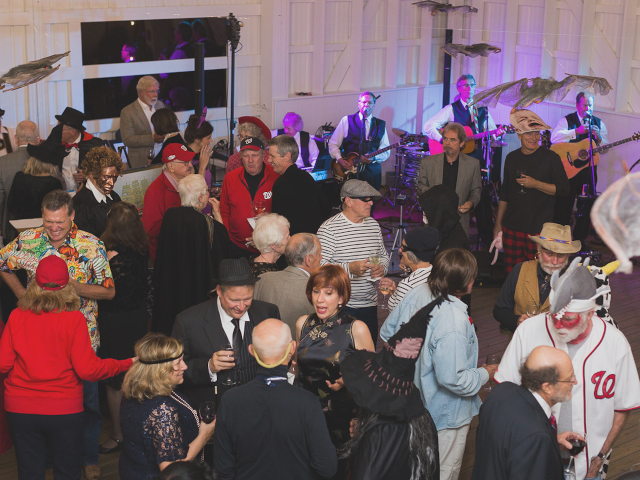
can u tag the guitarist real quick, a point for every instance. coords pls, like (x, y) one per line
(361, 133)
(574, 128)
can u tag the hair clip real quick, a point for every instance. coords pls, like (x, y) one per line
(203, 117)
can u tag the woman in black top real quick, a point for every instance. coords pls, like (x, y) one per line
(165, 123)
(123, 320)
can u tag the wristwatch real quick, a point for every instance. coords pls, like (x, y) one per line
(601, 456)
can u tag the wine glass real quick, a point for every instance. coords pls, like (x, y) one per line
(577, 447)
(150, 154)
(259, 207)
(215, 190)
(229, 376)
(375, 259)
(207, 410)
(532, 309)
(492, 359)
(521, 173)
(384, 290)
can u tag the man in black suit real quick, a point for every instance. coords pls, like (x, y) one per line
(517, 436)
(206, 328)
(295, 193)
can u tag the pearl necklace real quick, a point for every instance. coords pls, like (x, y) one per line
(182, 402)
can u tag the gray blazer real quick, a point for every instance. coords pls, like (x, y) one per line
(287, 290)
(136, 133)
(468, 186)
(9, 165)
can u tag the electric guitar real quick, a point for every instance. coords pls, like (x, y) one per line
(575, 156)
(470, 146)
(341, 175)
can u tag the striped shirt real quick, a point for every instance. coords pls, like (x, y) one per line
(406, 284)
(343, 242)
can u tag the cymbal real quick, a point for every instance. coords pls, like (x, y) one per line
(399, 132)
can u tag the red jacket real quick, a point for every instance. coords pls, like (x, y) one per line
(236, 204)
(47, 356)
(160, 197)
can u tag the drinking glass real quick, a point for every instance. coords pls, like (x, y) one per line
(259, 207)
(215, 190)
(578, 445)
(374, 259)
(520, 173)
(492, 359)
(207, 410)
(150, 154)
(532, 309)
(384, 290)
(228, 377)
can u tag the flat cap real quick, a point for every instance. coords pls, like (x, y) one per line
(358, 189)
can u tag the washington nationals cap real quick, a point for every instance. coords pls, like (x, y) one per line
(176, 151)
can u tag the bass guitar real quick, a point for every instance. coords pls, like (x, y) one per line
(436, 147)
(341, 175)
(575, 156)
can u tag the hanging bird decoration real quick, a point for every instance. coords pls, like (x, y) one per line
(436, 7)
(32, 72)
(483, 49)
(524, 92)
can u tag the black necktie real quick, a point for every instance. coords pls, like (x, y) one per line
(237, 335)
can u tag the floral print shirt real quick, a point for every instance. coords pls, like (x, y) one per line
(86, 258)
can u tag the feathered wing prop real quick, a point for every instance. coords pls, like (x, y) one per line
(32, 72)
(483, 49)
(524, 92)
(436, 7)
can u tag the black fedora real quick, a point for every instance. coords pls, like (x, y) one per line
(51, 150)
(235, 273)
(72, 117)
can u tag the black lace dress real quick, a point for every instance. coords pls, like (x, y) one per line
(322, 347)
(122, 321)
(155, 431)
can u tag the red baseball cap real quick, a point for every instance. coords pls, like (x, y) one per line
(251, 143)
(177, 151)
(52, 273)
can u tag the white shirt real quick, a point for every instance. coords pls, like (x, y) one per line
(543, 403)
(562, 134)
(342, 130)
(305, 272)
(313, 150)
(11, 134)
(227, 326)
(148, 112)
(70, 165)
(443, 117)
(100, 197)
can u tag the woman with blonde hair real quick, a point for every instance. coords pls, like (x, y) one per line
(158, 424)
(46, 351)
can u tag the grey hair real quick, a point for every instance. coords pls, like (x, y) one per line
(285, 144)
(268, 232)
(292, 118)
(190, 189)
(27, 132)
(296, 252)
(33, 166)
(464, 77)
(411, 257)
(146, 82)
(459, 129)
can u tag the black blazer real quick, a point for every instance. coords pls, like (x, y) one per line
(297, 197)
(515, 440)
(200, 330)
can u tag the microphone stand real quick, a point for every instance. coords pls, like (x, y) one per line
(593, 173)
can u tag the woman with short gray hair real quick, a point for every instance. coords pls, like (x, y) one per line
(270, 237)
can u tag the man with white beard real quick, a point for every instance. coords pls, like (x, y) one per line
(607, 388)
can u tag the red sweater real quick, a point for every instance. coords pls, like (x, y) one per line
(47, 357)
(236, 204)
(160, 197)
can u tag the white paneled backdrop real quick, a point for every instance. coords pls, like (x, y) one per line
(336, 48)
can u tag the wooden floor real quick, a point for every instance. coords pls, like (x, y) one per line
(625, 310)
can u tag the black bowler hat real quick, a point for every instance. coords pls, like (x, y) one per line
(236, 273)
(51, 150)
(72, 117)
(383, 382)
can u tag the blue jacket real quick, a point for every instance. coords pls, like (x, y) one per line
(446, 372)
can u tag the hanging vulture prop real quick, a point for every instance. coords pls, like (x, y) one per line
(435, 7)
(31, 72)
(483, 49)
(524, 92)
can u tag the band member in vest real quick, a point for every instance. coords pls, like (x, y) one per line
(292, 126)
(361, 133)
(574, 128)
(7, 138)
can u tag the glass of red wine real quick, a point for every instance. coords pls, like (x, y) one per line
(521, 173)
(207, 410)
(228, 377)
(577, 445)
(492, 359)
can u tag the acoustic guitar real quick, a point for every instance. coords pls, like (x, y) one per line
(436, 147)
(575, 156)
(341, 175)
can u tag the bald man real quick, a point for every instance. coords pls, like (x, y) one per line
(285, 436)
(517, 436)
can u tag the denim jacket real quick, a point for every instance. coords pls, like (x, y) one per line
(446, 372)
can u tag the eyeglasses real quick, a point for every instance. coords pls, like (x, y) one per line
(572, 379)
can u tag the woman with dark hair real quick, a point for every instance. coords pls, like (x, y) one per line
(196, 470)
(324, 339)
(123, 319)
(197, 136)
(45, 348)
(165, 123)
(159, 425)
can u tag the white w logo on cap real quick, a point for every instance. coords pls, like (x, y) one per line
(248, 141)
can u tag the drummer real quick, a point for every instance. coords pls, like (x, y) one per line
(455, 169)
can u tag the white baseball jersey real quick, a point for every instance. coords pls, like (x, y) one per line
(605, 370)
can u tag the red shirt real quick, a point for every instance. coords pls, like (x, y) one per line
(160, 197)
(236, 204)
(47, 356)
